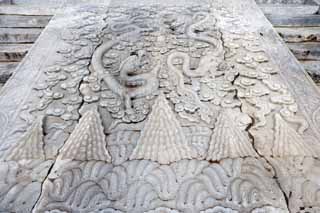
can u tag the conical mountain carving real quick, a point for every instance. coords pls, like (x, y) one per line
(162, 138)
(228, 140)
(287, 142)
(87, 141)
(30, 146)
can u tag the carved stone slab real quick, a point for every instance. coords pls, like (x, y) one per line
(172, 106)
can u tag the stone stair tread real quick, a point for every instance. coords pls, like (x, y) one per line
(6, 70)
(299, 34)
(13, 52)
(306, 50)
(294, 21)
(19, 35)
(313, 68)
(24, 21)
(288, 9)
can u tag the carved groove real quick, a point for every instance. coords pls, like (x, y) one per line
(87, 141)
(30, 145)
(287, 142)
(169, 143)
(228, 140)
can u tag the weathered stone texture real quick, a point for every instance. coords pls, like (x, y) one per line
(179, 106)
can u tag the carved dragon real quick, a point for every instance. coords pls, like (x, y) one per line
(206, 64)
(132, 85)
(193, 28)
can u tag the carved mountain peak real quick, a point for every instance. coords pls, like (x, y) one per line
(162, 138)
(287, 142)
(30, 146)
(87, 141)
(228, 140)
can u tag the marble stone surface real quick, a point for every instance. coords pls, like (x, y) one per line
(148, 106)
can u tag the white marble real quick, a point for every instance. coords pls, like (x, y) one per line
(172, 106)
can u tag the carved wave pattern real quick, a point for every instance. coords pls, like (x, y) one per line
(238, 185)
(20, 185)
(164, 179)
(299, 179)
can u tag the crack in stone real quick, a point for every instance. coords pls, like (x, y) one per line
(235, 97)
(251, 125)
(266, 160)
(90, 70)
(79, 108)
(42, 183)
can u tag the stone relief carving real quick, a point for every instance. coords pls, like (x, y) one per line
(229, 140)
(287, 142)
(160, 109)
(30, 147)
(198, 88)
(169, 143)
(142, 186)
(21, 184)
(23, 168)
(299, 179)
(87, 141)
(131, 85)
(260, 91)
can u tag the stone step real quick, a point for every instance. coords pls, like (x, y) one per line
(294, 21)
(2, 2)
(19, 35)
(29, 10)
(41, 7)
(23, 21)
(299, 34)
(284, 1)
(13, 52)
(289, 9)
(306, 51)
(313, 68)
(6, 70)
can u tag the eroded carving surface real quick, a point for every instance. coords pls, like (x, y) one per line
(142, 186)
(229, 140)
(23, 168)
(168, 144)
(160, 108)
(87, 141)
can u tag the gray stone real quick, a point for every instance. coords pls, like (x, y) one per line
(6, 70)
(297, 21)
(313, 68)
(289, 9)
(306, 51)
(15, 21)
(5, 1)
(172, 106)
(13, 52)
(19, 35)
(299, 34)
